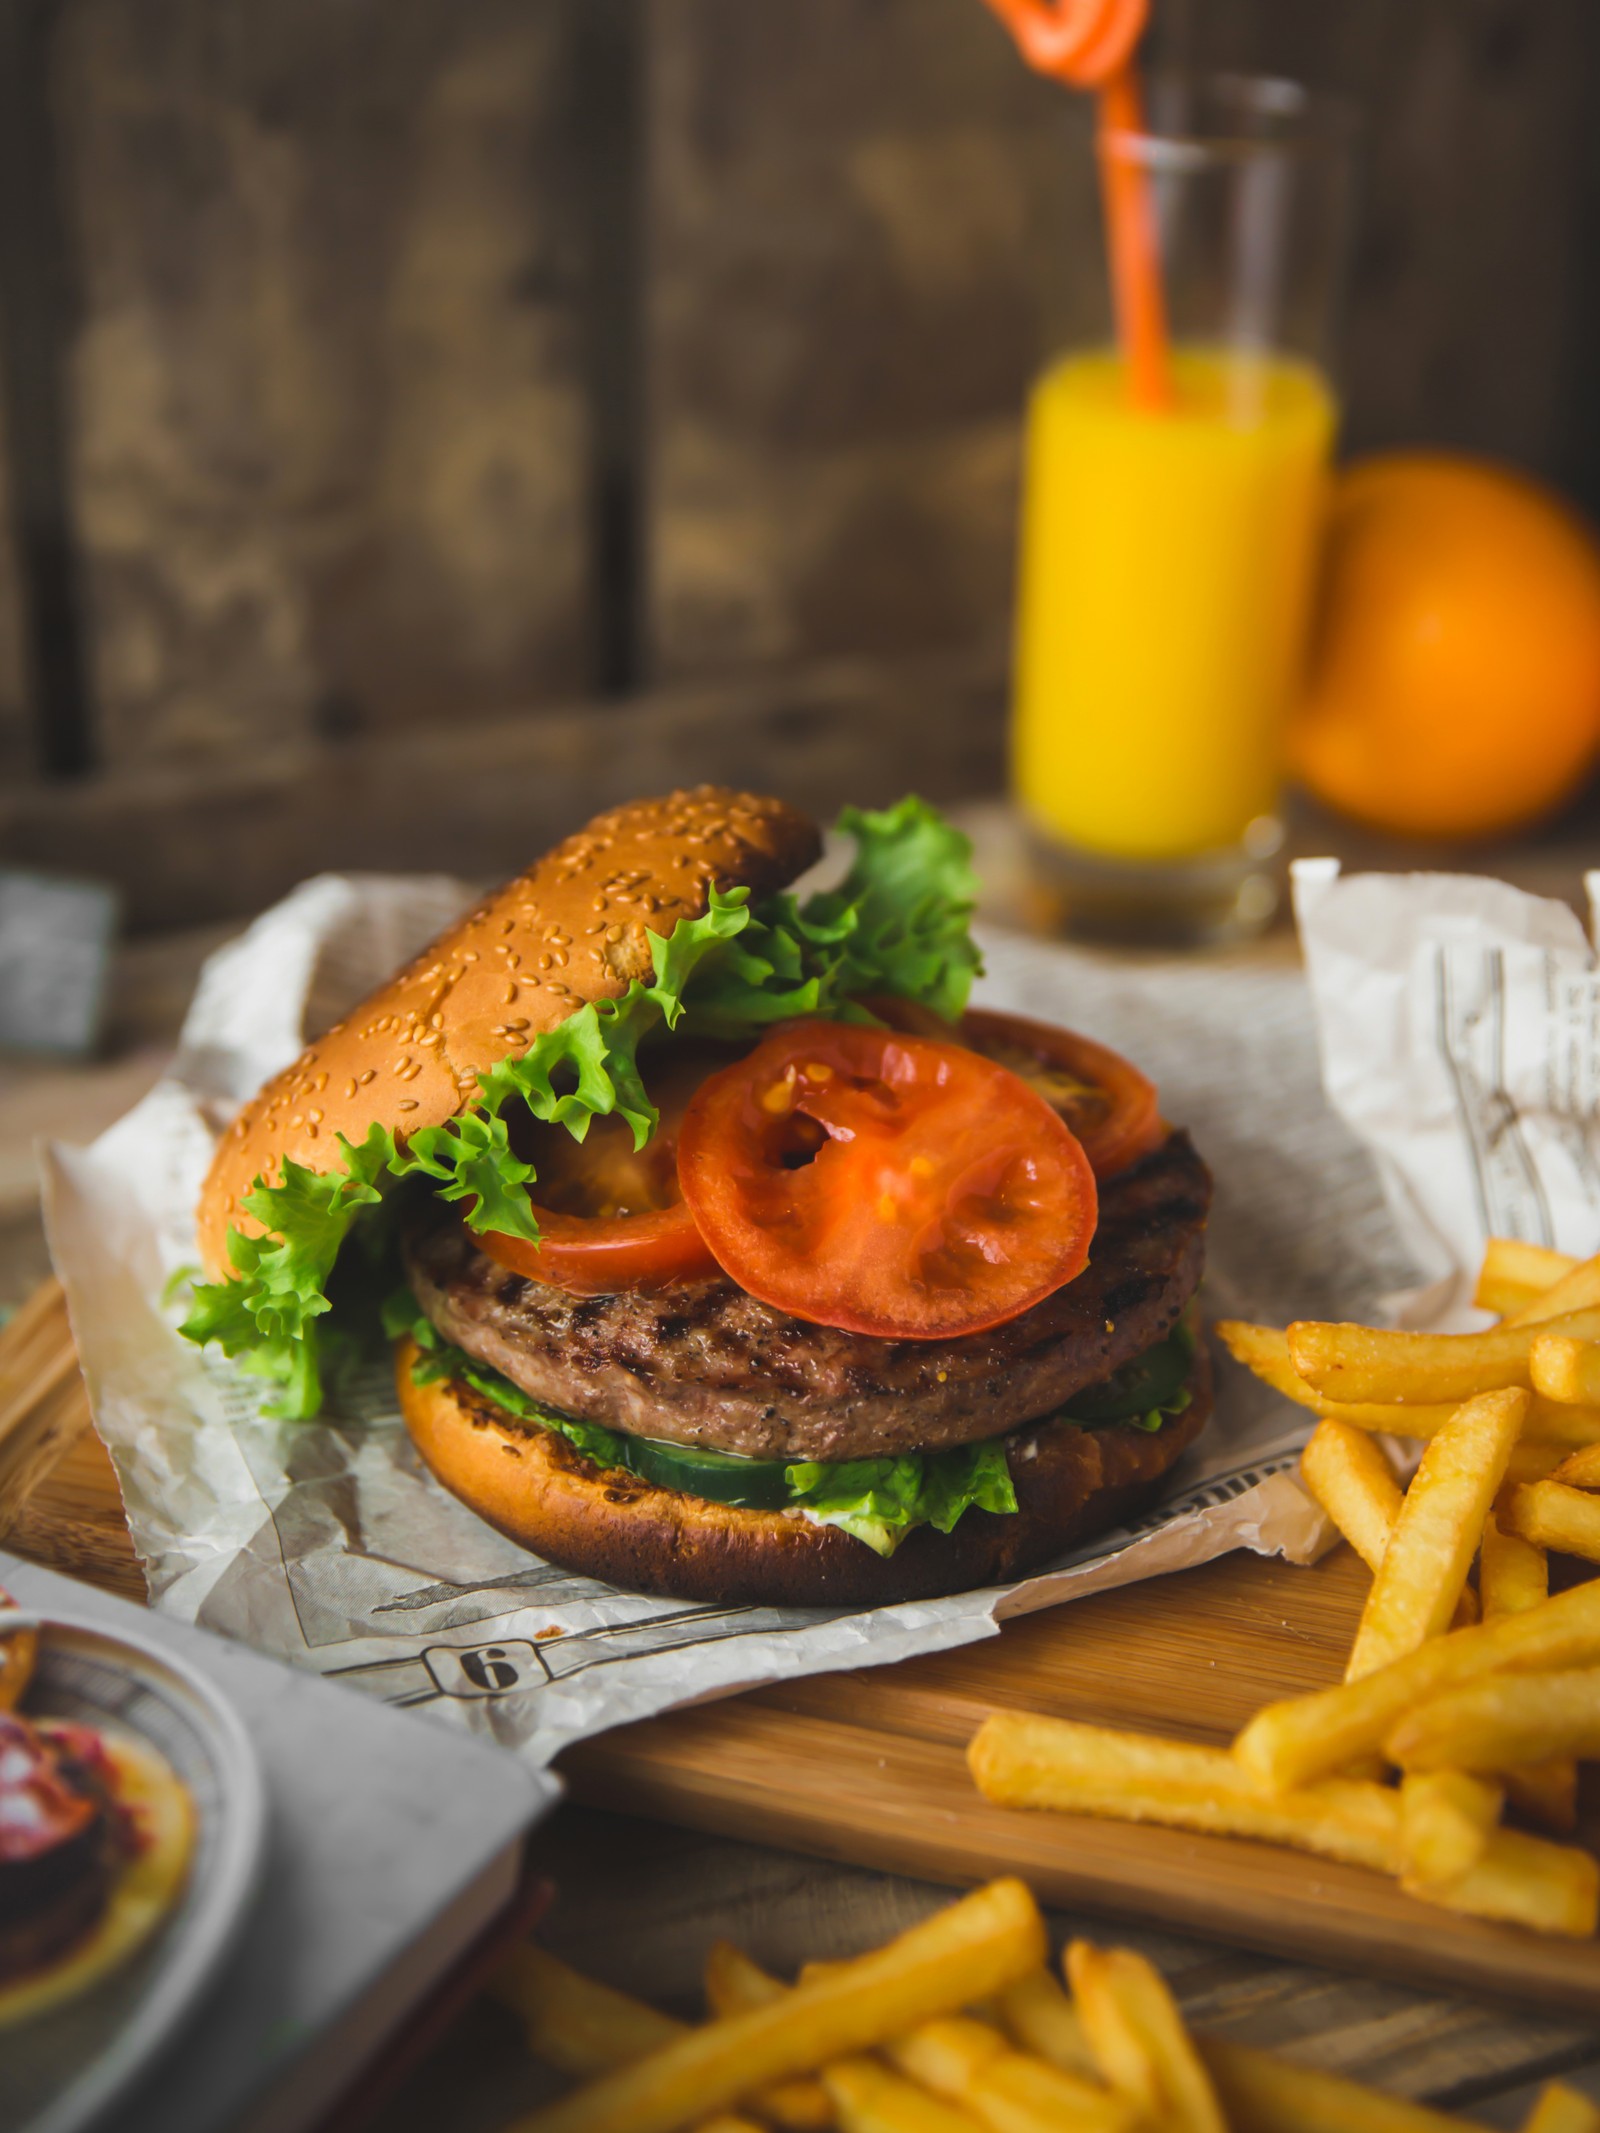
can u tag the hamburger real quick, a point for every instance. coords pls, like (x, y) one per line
(725, 1252)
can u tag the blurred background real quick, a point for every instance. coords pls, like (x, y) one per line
(428, 420)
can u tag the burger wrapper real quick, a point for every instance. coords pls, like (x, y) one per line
(327, 1543)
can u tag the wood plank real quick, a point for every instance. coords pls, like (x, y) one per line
(909, 1806)
(330, 457)
(225, 837)
(1194, 1655)
(867, 224)
(1476, 126)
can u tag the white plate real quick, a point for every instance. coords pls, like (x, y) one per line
(63, 2072)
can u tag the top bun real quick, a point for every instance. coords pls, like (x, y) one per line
(573, 929)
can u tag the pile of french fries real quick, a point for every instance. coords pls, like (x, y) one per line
(1480, 1700)
(959, 2026)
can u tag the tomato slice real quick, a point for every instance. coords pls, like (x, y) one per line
(885, 1184)
(611, 1216)
(1111, 1107)
(600, 1256)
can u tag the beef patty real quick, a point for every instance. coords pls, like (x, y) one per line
(704, 1363)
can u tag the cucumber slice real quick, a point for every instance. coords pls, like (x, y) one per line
(1153, 1380)
(724, 1477)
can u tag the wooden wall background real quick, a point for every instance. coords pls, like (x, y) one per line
(424, 420)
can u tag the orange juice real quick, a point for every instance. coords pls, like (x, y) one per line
(1166, 571)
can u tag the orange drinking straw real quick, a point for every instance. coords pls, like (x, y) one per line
(1089, 44)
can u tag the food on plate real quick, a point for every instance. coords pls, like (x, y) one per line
(95, 1837)
(1477, 1719)
(1116, 2057)
(727, 1252)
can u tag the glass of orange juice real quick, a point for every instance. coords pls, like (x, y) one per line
(1168, 547)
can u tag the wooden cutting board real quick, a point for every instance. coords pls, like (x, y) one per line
(868, 1767)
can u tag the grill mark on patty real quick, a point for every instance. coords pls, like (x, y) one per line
(704, 1363)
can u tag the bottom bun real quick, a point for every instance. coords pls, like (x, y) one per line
(1071, 1484)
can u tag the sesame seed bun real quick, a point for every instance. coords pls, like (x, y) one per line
(573, 929)
(1070, 1484)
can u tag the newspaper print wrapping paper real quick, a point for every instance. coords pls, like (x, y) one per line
(1459, 1020)
(329, 1545)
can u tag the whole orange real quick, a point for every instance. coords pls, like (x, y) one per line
(1454, 682)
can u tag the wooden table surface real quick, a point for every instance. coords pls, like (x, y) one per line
(639, 1903)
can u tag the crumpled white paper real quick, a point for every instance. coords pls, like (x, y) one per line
(1459, 1025)
(329, 1545)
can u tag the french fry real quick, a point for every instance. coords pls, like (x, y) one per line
(1566, 1370)
(976, 1947)
(1424, 1568)
(869, 2099)
(1547, 1793)
(1531, 1461)
(1262, 2094)
(585, 2028)
(1525, 1881)
(1292, 1743)
(1501, 1722)
(1514, 1273)
(1366, 1363)
(1037, 2014)
(1136, 2033)
(1551, 1515)
(1562, 2110)
(1513, 1575)
(1446, 1819)
(1347, 1472)
(573, 2023)
(731, 2122)
(1549, 1422)
(733, 1982)
(948, 2055)
(1019, 1760)
(1580, 1469)
(973, 2065)
(1577, 1290)
(1265, 1351)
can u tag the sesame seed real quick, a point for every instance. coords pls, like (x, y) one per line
(406, 1103)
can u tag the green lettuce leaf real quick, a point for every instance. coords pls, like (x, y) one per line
(879, 1501)
(897, 924)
